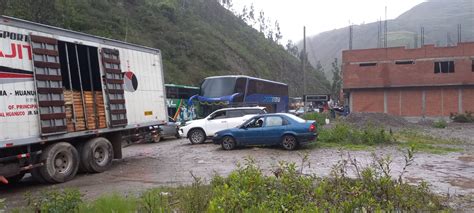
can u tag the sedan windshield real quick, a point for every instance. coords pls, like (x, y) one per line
(218, 87)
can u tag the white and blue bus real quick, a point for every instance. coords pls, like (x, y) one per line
(238, 90)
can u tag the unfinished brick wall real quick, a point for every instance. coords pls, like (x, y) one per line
(378, 82)
(409, 102)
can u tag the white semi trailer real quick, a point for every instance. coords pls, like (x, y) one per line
(68, 100)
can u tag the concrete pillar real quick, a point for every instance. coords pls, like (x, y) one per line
(351, 100)
(423, 103)
(385, 106)
(460, 110)
(400, 102)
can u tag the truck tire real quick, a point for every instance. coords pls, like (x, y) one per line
(61, 162)
(97, 155)
(197, 136)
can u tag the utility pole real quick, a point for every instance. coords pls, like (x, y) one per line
(303, 60)
(385, 44)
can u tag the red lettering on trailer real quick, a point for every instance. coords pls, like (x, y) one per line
(16, 51)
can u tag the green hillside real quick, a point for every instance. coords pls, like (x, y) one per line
(198, 38)
(439, 18)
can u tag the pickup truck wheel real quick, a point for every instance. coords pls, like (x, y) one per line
(228, 143)
(61, 162)
(289, 142)
(16, 178)
(197, 136)
(97, 155)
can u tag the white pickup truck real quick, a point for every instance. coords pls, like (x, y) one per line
(198, 130)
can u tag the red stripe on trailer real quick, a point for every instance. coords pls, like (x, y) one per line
(9, 145)
(14, 75)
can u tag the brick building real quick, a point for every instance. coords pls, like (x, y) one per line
(423, 82)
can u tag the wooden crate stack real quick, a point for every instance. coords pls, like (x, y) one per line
(75, 108)
(91, 116)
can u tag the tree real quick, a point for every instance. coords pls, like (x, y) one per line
(278, 35)
(336, 84)
(252, 15)
(262, 22)
(292, 48)
(244, 16)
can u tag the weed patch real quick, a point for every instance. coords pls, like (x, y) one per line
(247, 189)
(467, 117)
(67, 200)
(440, 124)
(111, 203)
(345, 134)
(426, 143)
(320, 118)
(2, 205)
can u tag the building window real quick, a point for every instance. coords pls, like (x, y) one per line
(404, 62)
(472, 68)
(367, 64)
(444, 67)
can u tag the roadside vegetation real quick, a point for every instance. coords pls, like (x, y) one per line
(467, 117)
(320, 118)
(349, 187)
(348, 136)
(440, 124)
(2, 205)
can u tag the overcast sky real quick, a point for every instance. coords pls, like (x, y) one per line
(323, 15)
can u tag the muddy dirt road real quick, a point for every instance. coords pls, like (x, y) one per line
(170, 162)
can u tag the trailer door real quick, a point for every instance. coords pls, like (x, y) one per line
(114, 90)
(48, 80)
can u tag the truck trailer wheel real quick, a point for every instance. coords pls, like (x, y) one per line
(61, 162)
(97, 155)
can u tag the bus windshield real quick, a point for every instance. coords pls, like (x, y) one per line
(218, 87)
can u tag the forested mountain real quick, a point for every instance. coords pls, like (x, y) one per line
(198, 38)
(440, 19)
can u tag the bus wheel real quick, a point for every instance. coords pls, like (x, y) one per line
(61, 162)
(97, 155)
(197, 136)
(16, 178)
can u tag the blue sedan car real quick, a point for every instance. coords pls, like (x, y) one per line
(282, 129)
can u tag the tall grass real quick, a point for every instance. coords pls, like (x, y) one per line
(320, 118)
(343, 133)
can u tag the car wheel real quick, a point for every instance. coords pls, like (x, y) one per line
(156, 139)
(197, 136)
(289, 142)
(228, 143)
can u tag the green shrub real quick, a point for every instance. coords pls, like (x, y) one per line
(55, 201)
(441, 124)
(467, 117)
(248, 190)
(320, 118)
(111, 203)
(2, 205)
(343, 133)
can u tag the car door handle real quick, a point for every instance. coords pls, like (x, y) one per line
(223, 121)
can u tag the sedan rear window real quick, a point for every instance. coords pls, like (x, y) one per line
(296, 118)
